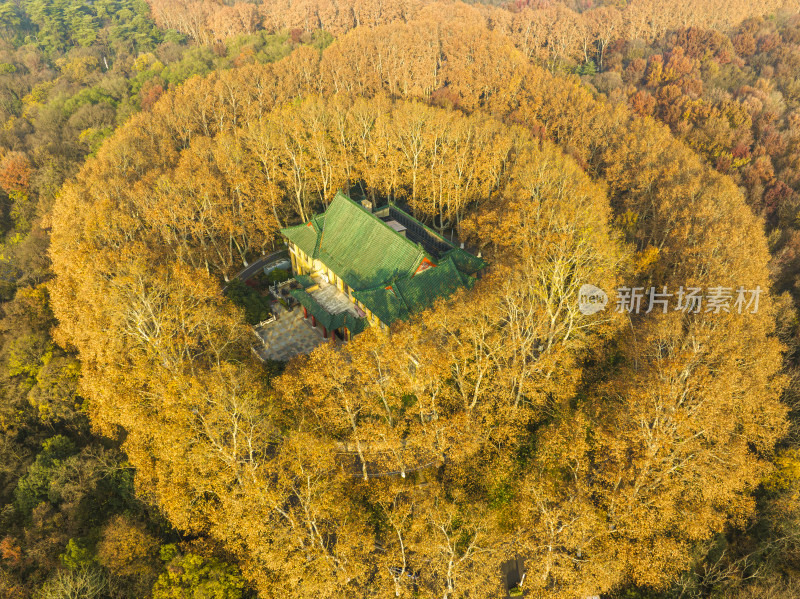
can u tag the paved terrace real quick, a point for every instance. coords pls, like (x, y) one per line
(287, 336)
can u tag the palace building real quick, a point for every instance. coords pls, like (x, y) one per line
(360, 268)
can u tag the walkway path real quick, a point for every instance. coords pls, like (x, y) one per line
(256, 266)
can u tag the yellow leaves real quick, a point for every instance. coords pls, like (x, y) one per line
(786, 475)
(674, 424)
(126, 548)
(627, 222)
(645, 258)
(77, 68)
(38, 94)
(147, 61)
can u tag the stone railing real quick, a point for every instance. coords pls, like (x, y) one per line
(272, 318)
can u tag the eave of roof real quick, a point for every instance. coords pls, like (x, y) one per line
(383, 302)
(420, 291)
(465, 261)
(304, 236)
(330, 321)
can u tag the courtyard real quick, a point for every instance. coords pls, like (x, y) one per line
(287, 335)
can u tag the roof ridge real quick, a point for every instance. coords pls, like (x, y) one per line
(423, 225)
(388, 283)
(397, 291)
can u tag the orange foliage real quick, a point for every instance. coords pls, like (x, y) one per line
(15, 172)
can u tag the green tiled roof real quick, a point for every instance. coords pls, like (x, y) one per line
(305, 236)
(411, 294)
(363, 250)
(383, 303)
(304, 280)
(467, 280)
(377, 263)
(420, 291)
(354, 324)
(465, 261)
(330, 321)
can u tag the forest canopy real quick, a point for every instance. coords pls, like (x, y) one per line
(502, 422)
